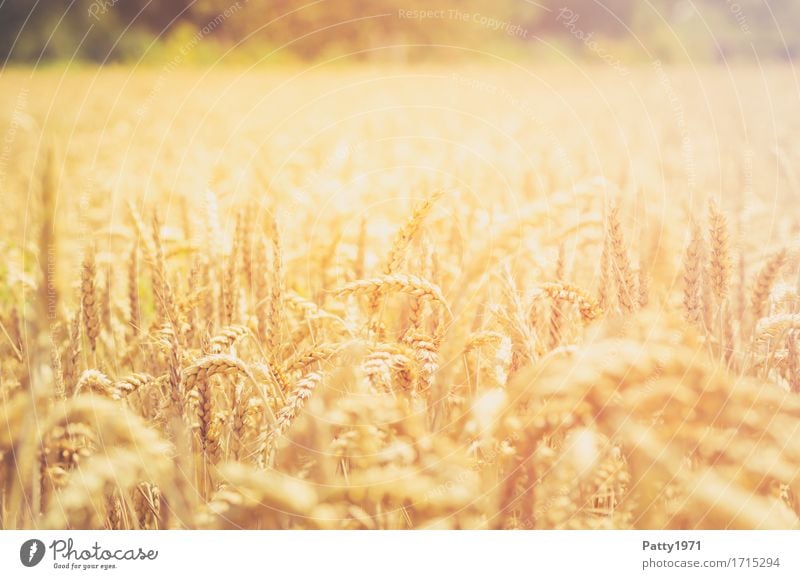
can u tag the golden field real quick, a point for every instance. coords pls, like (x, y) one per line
(480, 297)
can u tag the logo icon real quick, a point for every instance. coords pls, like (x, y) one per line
(31, 552)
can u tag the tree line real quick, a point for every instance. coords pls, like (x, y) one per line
(125, 30)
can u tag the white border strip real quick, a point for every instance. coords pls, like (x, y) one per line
(406, 554)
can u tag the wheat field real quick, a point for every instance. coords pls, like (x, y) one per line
(467, 298)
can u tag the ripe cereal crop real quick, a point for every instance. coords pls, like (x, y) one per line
(356, 304)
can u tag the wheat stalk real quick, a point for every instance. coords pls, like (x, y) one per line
(626, 284)
(565, 292)
(392, 283)
(90, 315)
(719, 259)
(765, 280)
(692, 277)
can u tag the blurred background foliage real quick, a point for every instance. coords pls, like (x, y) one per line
(203, 31)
